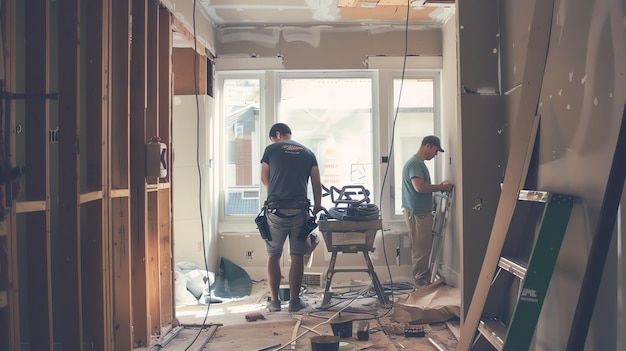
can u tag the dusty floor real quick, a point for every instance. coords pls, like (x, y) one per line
(223, 326)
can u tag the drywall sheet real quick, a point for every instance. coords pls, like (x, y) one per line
(581, 103)
(479, 46)
(483, 151)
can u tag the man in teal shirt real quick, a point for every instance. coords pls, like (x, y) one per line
(417, 205)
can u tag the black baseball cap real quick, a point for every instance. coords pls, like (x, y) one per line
(432, 140)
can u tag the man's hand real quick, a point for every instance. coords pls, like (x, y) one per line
(446, 186)
(317, 209)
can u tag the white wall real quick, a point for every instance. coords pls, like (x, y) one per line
(452, 162)
(192, 181)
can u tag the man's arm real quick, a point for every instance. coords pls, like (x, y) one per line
(316, 184)
(265, 174)
(422, 187)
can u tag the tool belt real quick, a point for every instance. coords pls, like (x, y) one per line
(274, 207)
(262, 225)
(288, 204)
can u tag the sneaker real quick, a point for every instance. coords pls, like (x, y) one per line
(295, 306)
(273, 306)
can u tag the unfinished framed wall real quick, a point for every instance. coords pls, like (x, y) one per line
(81, 268)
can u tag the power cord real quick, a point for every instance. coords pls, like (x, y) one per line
(393, 131)
(206, 263)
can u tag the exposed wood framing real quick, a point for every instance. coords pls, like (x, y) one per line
(9, 316)
(152, 129)
(166, 261)
(112, 276)
(138, 103)
(118, 187)
(38, 255)
(179, 28)
(69, 239)
(95, 251)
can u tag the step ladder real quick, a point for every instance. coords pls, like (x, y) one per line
(518, 288)
(440, 215)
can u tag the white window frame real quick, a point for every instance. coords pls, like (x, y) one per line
(238, 223)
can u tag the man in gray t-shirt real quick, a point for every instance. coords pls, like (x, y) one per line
(286, 167)
(417, 203)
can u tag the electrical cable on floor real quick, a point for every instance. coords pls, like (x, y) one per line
(312, 329)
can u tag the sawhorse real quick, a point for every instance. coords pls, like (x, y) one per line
(351, 237)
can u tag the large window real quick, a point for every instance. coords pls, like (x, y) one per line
(241, 101)
(336, 115)
(333, 117)
(414, 119)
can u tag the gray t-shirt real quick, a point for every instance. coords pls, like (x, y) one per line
(290, 168)
(413, 201)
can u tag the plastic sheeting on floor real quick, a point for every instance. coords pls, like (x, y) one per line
(233, 281)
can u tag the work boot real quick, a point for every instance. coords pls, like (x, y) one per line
(295, 306)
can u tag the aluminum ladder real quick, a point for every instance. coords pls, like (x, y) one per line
(442, 203)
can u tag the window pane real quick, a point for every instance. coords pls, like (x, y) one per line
(333, 117)
(242, 169)
(414, 121)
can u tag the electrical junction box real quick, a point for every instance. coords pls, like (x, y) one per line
(155, 158)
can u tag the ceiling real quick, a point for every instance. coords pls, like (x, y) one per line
(238, 13)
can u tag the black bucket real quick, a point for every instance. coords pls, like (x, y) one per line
(342, 329)
(325, 343)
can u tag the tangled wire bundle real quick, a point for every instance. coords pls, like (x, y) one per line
(362, 212)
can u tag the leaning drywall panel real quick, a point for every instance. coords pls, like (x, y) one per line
(581, 104)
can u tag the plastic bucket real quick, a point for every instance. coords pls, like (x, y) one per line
(325, 343)
(342, 329)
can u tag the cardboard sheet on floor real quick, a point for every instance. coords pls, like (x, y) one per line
(434, 303)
